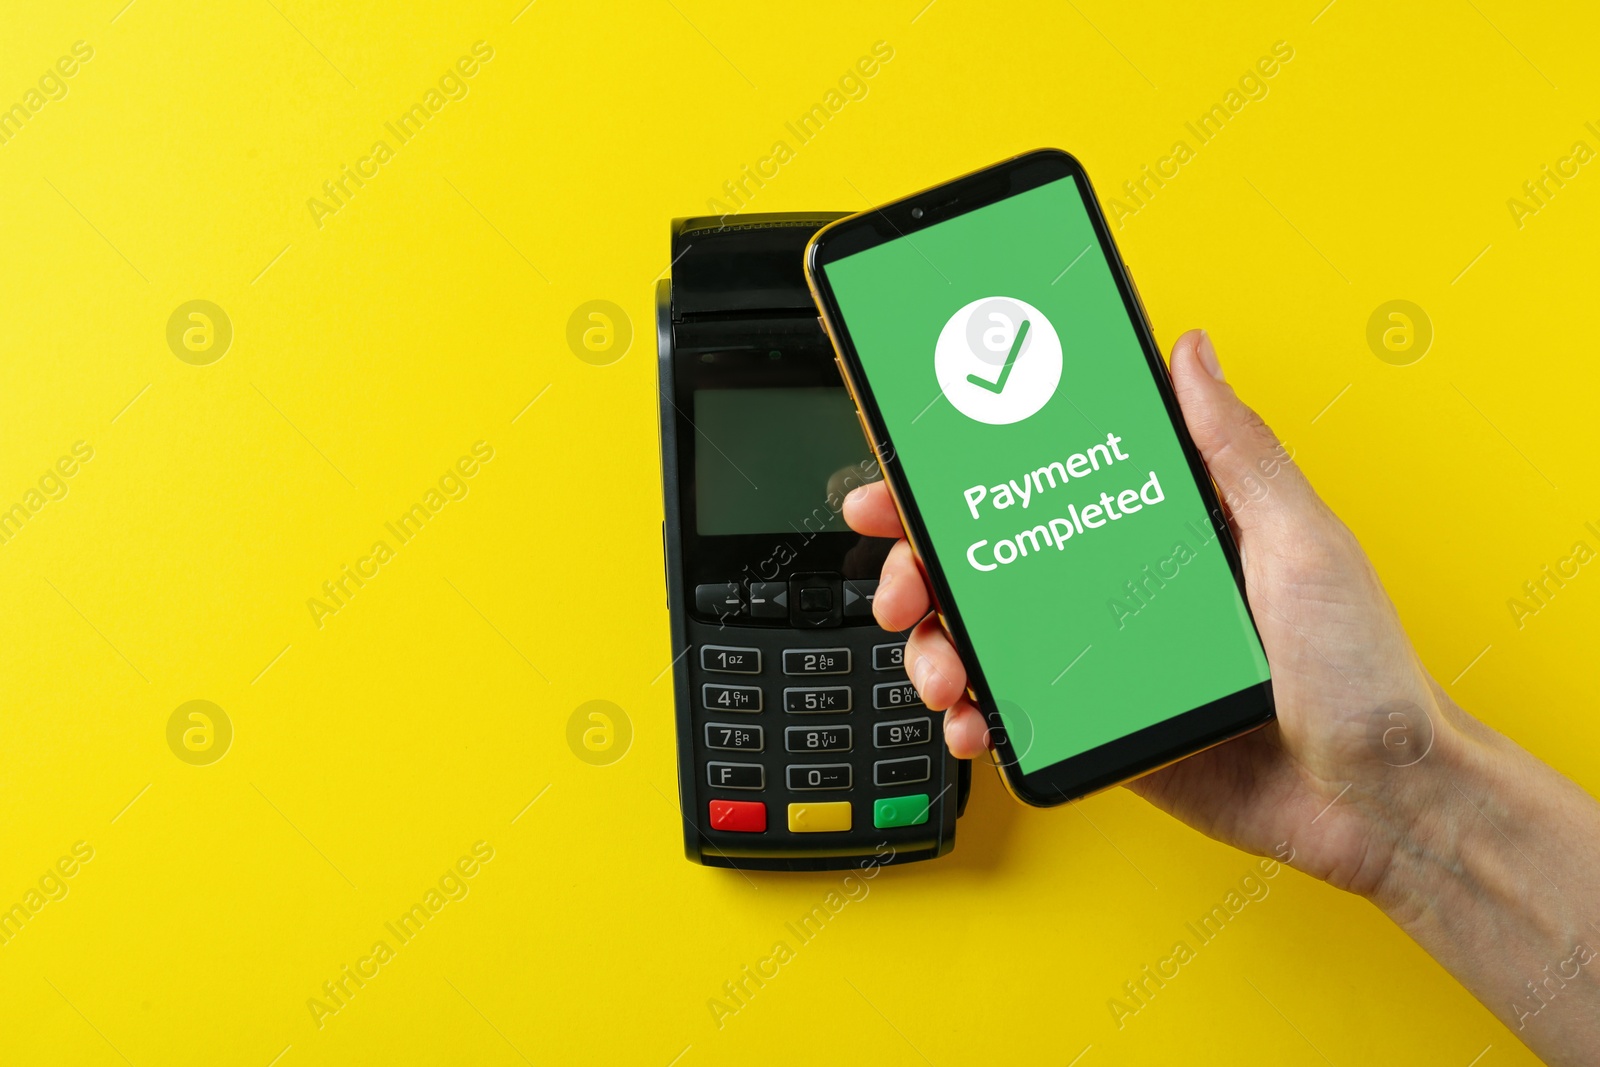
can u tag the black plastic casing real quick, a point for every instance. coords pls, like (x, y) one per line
(736, 296)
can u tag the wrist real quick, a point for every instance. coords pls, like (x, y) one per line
(1423, 822)
(1465, 823)
(1491, 868)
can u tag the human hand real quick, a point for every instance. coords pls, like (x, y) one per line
(1318, 780)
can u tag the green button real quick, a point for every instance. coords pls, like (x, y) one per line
(900, 811)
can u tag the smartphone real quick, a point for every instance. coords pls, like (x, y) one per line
(1004, 370)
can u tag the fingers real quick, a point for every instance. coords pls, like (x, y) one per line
(1255, 472)
(902, 598)
(941, 681)
(870, 511)
(933, 666)
(965, 731)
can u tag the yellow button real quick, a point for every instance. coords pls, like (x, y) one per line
(818, 818)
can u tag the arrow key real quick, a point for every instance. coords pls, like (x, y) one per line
(769, 600)
(858, 594)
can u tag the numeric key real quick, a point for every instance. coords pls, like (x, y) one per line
(819, 776)
(902, 732)
(730, 697)
(889, 657)
(816, 661)
(817, 738)
(734, 737)
(888, 696)
(828, 698)
(725, 659)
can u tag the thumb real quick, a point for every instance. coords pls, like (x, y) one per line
(1255, 472)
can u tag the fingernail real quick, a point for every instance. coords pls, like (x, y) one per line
(919, 672)
(1208, 356)
(855, 494)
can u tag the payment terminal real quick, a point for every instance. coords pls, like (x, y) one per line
(801, 743)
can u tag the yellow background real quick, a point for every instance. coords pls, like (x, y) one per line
(426, 714)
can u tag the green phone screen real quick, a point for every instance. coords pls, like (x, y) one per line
(1056, 495)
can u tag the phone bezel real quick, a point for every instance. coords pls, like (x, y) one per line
(1133, 754)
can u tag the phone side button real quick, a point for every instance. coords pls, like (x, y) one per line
(1138, 297)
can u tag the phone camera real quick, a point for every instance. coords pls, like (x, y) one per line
(916, 213)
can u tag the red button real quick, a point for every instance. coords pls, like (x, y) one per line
(740, 816)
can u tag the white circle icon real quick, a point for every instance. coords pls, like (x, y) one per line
(998, 360)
